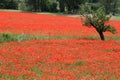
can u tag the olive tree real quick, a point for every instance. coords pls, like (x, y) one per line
(100, 21)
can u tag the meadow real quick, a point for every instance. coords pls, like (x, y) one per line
(53, 47)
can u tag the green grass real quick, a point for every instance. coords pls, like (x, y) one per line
(7, 77)
(57, 37)
(115, 18)
(80, 37)
(79, 63)
(113, 38)
(9, 37)
(37, 71)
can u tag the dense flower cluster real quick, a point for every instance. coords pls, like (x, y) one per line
(70, 59)
(41, 24)
(61, 59)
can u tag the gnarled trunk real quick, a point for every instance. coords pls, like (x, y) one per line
(101, 35)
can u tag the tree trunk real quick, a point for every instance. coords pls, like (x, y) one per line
(102, 36)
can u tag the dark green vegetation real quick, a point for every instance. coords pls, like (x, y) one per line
(64, 6)
(8, 4)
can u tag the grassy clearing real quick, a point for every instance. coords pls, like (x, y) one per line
(97, 38)
(57, 37)
(9, 37)
(115, 18)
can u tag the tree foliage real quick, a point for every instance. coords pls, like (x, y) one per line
(111, 6)
(8, 4)
(100, 21)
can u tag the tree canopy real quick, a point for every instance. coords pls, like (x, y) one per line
(100, 21)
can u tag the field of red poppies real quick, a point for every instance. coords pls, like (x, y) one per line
(57, 59)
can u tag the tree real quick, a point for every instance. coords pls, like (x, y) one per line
(100, 21)
(31, 5)
(8, 4)
(61, 5)
(44, 5)
(53, 6)
(111, 6)
(115, 6)
(72, 5)
(27, 5)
